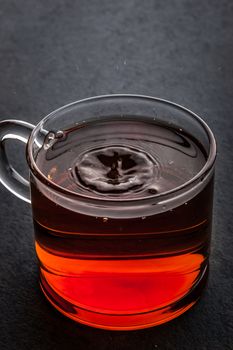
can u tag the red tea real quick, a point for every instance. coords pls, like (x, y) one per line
(112, 269)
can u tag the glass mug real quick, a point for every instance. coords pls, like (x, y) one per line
(121, 189)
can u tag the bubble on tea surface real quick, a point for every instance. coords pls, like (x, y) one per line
(60, 134)
(49, 140)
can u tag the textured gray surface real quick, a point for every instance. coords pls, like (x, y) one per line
(54, 52)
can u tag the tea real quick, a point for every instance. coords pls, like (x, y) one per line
(116, 270)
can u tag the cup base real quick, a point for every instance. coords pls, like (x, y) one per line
(124, 321)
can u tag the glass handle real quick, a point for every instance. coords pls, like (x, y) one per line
(9, 177)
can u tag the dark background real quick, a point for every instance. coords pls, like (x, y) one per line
(54, 52)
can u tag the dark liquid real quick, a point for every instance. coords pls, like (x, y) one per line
(117, 265)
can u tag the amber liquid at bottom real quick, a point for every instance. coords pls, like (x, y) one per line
(121, 273)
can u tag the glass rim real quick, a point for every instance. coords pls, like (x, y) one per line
(210, 161)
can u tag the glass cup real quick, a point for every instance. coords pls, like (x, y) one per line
(121, 189)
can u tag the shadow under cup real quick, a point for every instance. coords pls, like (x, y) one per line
(121, 192)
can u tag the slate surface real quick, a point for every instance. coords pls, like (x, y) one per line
(54, 52)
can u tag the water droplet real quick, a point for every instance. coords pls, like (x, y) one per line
(49, 140)
(105, 219)
(180, 129)
(125, 62)
(170, 162)
(185, 203)
(132, 179)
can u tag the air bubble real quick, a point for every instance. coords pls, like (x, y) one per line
(105, 219)
(59, 134)
(170, 162)
(152, 191)
(143, 217)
